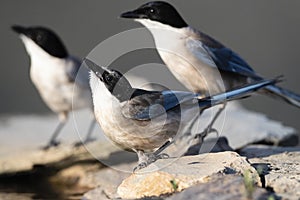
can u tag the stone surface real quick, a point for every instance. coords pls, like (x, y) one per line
(59, 157)
(105, 182)
(256, 151)
(20, 153)
(15, 196)
(253, 128)
(280, 167)
(19, 133)
(162, 177)
(222, 188)
(30, 132)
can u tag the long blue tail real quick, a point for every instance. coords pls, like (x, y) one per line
(237, 93)
(283, 94)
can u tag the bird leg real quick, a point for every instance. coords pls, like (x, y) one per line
(146, 159)
(62, 121)
(88, 135)
(209, 128)
(53, 142)
(203, 134)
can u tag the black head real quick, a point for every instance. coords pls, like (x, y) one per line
(159, 11)
(45, 38)
(114, 80)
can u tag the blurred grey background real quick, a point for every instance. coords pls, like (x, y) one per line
(265, 33)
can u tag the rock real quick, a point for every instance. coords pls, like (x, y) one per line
(16, 196)
(30, 132)
(279, 168)
(219, 144)
(243, 127)
(76, 175)
(24, 155)
(105, 182)
(223, 188)
(96, 194)
(173, 175)
(57, 158)
(258, 151)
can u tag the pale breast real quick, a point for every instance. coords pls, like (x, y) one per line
(193, 74)
(56, 90)
(133, 134)
(189, 62)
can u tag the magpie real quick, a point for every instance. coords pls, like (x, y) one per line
(144, 121)
(56, 75)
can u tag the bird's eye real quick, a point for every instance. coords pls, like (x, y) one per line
(152, 11)
(38, 37)
(108, 78)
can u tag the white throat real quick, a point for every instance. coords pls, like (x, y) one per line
(164, 35)
(102, 98)
(152, 25)
(36, 53)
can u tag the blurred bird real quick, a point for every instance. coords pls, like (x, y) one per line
(56, 75)
(146, 121)
(199, 62)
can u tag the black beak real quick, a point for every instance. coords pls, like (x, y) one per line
(98, 70)
(19, 29)
(135, 14)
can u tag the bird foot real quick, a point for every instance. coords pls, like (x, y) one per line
(207, 131)
(51, 144)
(149, 158)
(86, 141)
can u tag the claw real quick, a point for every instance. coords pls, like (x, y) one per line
(140, 166)
(150, 158)
(163, 156)
(51, 144)
(207, 131)
(80, 143)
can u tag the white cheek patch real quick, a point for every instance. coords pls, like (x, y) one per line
(166, 37)
(157, 25)
(34, 50)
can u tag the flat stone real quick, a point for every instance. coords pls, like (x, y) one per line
(20, 133)
(243, 127)
(162, 177)
(280, 167)
(97, 193)
(58, 157)
(27, 138)
(105, 182)
(16, 196)
(223, 188)
(258, 151)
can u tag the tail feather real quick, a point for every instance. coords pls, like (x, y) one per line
(282, 94)
(238, 93)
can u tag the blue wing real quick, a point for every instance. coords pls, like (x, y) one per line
(153, 104)
(76, 74)
(227, 60)
(148, 105)
(73, 68)
(174, 98)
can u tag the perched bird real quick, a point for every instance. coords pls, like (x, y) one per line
(146, 121)
(53, 72)
(199, 62)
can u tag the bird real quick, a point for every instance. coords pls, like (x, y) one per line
(56, 75)
(200, 62)
(144, 121)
